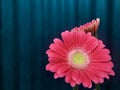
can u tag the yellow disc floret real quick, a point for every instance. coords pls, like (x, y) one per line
(78, 58)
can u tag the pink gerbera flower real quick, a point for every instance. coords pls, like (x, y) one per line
(88, 27)
(80, 58)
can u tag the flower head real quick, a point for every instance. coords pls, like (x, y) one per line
(88, 27)
(80, 58)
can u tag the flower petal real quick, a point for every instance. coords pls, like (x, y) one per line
(91, 75)
(60, 44)
(66, 36)
(75, 75)
(63, 68)
(86, 81)
(68, 77)
(91, 44)
(73, 83)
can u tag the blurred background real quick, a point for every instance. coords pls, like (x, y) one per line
(27, 27)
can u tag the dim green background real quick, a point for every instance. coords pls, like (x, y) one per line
(27, 27)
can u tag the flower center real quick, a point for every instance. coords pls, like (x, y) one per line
(78, 59)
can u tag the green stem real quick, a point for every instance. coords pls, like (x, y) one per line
(95, 34)
(75, 88)
(97, 86)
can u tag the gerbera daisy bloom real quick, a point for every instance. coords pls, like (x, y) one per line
(88, 27)
(80, 58)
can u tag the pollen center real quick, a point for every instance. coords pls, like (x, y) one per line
(78, 59)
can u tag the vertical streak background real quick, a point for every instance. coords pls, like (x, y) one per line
(1, 84)
(16, 50)
(27, 27)
(7, 45)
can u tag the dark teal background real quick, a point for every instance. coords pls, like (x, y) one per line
(27, 27)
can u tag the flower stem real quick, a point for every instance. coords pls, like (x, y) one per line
(95, 34)
(75, 88)
(97, 86)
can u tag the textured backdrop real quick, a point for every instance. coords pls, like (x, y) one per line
(27, 27)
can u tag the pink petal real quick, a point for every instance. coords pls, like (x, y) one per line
(63, 68)
(75, 75)
(49, 66)
(53, 54)
(101, 80)
(75, 29)
(103, 66)
(104, 51)
(99, 47)
(56, 60)
(60, 44)
(80, 78)
(99, 74)
(53, 67)
(66, 36)
(74, 38)
(101, 57)
(91, 44)
(112, 73)
(62, 74)
(82, 40)
(91, 75)
(57, 50)
(72, 84)
(86, 81)
(56, 75)
(68, 77)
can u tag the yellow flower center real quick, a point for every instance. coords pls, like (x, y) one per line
(78, 59)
